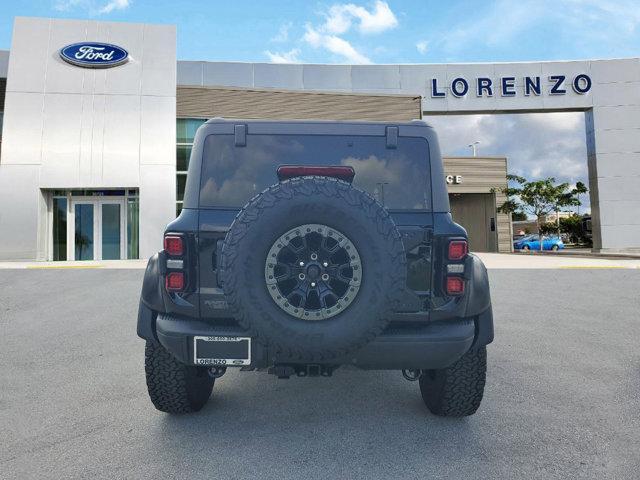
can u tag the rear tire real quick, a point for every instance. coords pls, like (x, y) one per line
(456, 391)
(173, 386)
(555, 248)
(525, 247)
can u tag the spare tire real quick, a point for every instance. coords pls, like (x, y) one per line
(312, 267)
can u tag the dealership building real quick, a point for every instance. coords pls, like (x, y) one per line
(98, 119)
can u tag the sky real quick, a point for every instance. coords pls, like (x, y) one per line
(399, 31)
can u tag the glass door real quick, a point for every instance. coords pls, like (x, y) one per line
(112, 230)
(99, 229)
(84, 230)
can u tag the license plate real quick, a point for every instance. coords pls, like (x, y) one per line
(220, 350)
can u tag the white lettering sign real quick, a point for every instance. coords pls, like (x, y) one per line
(93, 53)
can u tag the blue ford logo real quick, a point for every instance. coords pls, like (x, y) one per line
(94, 54)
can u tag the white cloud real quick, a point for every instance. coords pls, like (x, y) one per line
(91, 7)
(574, 23)
(422, 46)
(329, 32)
(340, 17)
(114, 5)
(334, 44)
(283, 33)
(292, 56)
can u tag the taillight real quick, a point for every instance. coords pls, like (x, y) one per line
(175, 258)
(174, 282)
(173, 245)
(337, 171)
(455, 285)
(458, 249)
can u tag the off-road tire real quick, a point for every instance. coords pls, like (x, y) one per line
(338, 205)
(456, 391)
(173, 386)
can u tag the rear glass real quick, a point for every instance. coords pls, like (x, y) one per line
(397, 177)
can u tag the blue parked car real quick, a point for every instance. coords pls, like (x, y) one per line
(532, 242)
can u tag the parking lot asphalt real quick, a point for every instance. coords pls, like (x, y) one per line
(562, 396)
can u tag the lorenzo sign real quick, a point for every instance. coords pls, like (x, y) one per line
(94, 55)
(506, 86)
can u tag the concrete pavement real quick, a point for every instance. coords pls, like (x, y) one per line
(562, 396)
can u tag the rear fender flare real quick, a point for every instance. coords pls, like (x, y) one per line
(151, 301)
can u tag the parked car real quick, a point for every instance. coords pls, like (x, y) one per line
(532, 242)
(287, 259)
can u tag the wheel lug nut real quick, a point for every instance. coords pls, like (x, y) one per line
(325, 264)
(313, 284)
(314, 256)
(325, 277)
(301, 276)
(302, 264)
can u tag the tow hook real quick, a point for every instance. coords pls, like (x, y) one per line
(411, 375)
(217, 372)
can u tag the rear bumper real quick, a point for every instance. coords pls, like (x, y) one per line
(431, 346)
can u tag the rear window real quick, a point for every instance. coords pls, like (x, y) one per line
(398, 177)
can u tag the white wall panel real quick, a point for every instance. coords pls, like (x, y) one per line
(618, 141)
(121, 142)
(271, 75)
(619, 164)
(159, 61)
(416, 79)
(126, 79)
(22, 129)
(19, 226)
(29, 53)
(157, 205)
(61, 135)
(157, 136)
(614, 71)
(375, 77)
(227, 74)
(86, 138)
(615, 94)
(61, 77)
(99, 105)
(190, 73)
(327, 77)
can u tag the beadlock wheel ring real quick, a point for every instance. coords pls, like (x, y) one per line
(313, 272)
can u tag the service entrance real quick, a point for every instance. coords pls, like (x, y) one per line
(93, 225)
(476, 212)
(98, 230)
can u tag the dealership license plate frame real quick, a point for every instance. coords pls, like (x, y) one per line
(227, 362)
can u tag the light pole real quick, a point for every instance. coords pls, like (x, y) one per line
(474, 148)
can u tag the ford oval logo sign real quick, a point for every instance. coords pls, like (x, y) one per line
(94, 55)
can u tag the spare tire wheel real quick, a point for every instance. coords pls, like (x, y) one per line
(312, 267)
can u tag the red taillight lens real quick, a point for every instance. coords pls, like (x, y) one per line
(458, 249)
(340, 172)
(173, 245)
(455, 286)
(174, 281)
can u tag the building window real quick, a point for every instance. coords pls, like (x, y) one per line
(59, 228)
(185, 133)
(133, 225)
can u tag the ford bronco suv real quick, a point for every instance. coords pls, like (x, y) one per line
(306, 246)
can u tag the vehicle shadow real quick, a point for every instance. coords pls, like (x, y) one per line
(326, 426)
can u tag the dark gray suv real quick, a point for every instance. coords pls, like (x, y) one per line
(306, 246)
